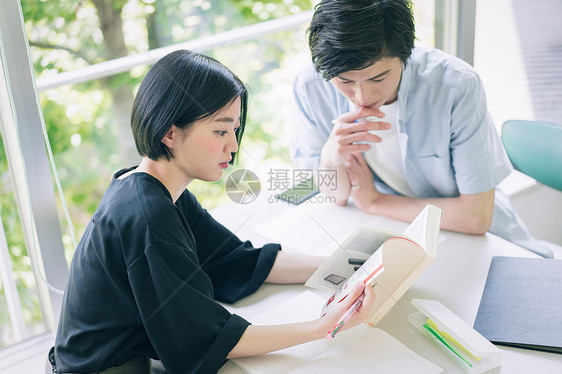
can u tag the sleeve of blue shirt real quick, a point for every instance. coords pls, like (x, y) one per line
(477, 155)
(316, 104)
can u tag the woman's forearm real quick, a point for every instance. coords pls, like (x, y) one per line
(263, 339)
(293, 267)
(341, 186)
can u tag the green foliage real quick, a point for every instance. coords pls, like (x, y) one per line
(49, 11)
(58, 126)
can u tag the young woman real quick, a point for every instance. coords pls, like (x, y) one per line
(147, 274)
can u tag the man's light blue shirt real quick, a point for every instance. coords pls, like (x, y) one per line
(447, 138)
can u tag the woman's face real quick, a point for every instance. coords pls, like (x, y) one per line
(204, 149)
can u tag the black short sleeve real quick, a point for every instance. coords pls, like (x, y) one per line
(144, 281)
(236, 268)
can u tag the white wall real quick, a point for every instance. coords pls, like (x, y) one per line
(540, 207)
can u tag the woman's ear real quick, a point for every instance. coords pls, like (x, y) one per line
(169, 137)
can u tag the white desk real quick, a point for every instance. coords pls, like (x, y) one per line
(456, 278)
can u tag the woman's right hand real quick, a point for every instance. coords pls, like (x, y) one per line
(268, 338)
(334, 314)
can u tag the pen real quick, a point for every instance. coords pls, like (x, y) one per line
(345, 318)
(355, 261)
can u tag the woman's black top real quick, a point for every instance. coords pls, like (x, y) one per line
(145, 278)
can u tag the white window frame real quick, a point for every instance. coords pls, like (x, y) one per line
(455, 22)
(28, 161)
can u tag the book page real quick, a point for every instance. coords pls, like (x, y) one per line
(368, 239)
(424, 230)
(364, 349)
(401, 258)
(417, 230)
(371, 351)
(336, 270)
(303, 307)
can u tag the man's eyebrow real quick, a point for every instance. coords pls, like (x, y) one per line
(372, 78)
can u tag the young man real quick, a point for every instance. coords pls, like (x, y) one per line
(401, 126)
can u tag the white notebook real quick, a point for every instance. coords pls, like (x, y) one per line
(361, 349)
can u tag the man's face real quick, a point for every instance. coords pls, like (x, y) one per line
(373, 86)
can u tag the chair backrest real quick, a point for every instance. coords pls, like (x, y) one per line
(535, 148)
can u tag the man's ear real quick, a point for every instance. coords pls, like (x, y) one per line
(169, 137)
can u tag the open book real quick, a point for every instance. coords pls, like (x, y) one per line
(357, 350)
(404, 258)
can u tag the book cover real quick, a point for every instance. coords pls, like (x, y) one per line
(393, 261)
(521, 304)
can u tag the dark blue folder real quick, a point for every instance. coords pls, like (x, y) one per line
(521, 305)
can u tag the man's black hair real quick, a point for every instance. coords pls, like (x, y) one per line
(349, 35)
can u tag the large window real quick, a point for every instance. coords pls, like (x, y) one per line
(88, 122)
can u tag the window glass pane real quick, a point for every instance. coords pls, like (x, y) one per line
(20, 307)
(424, 16)
(84, 140)
(517, 53)
(268, 66)
(88, 123)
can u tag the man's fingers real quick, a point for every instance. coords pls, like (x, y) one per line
(352, 148)
(356, 115)
(362, 126)
(359, 159)
(361, 113)
(360, 137)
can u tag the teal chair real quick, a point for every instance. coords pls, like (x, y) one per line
(535, 149)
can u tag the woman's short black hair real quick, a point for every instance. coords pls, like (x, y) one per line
(349, 35)
(179, 89)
